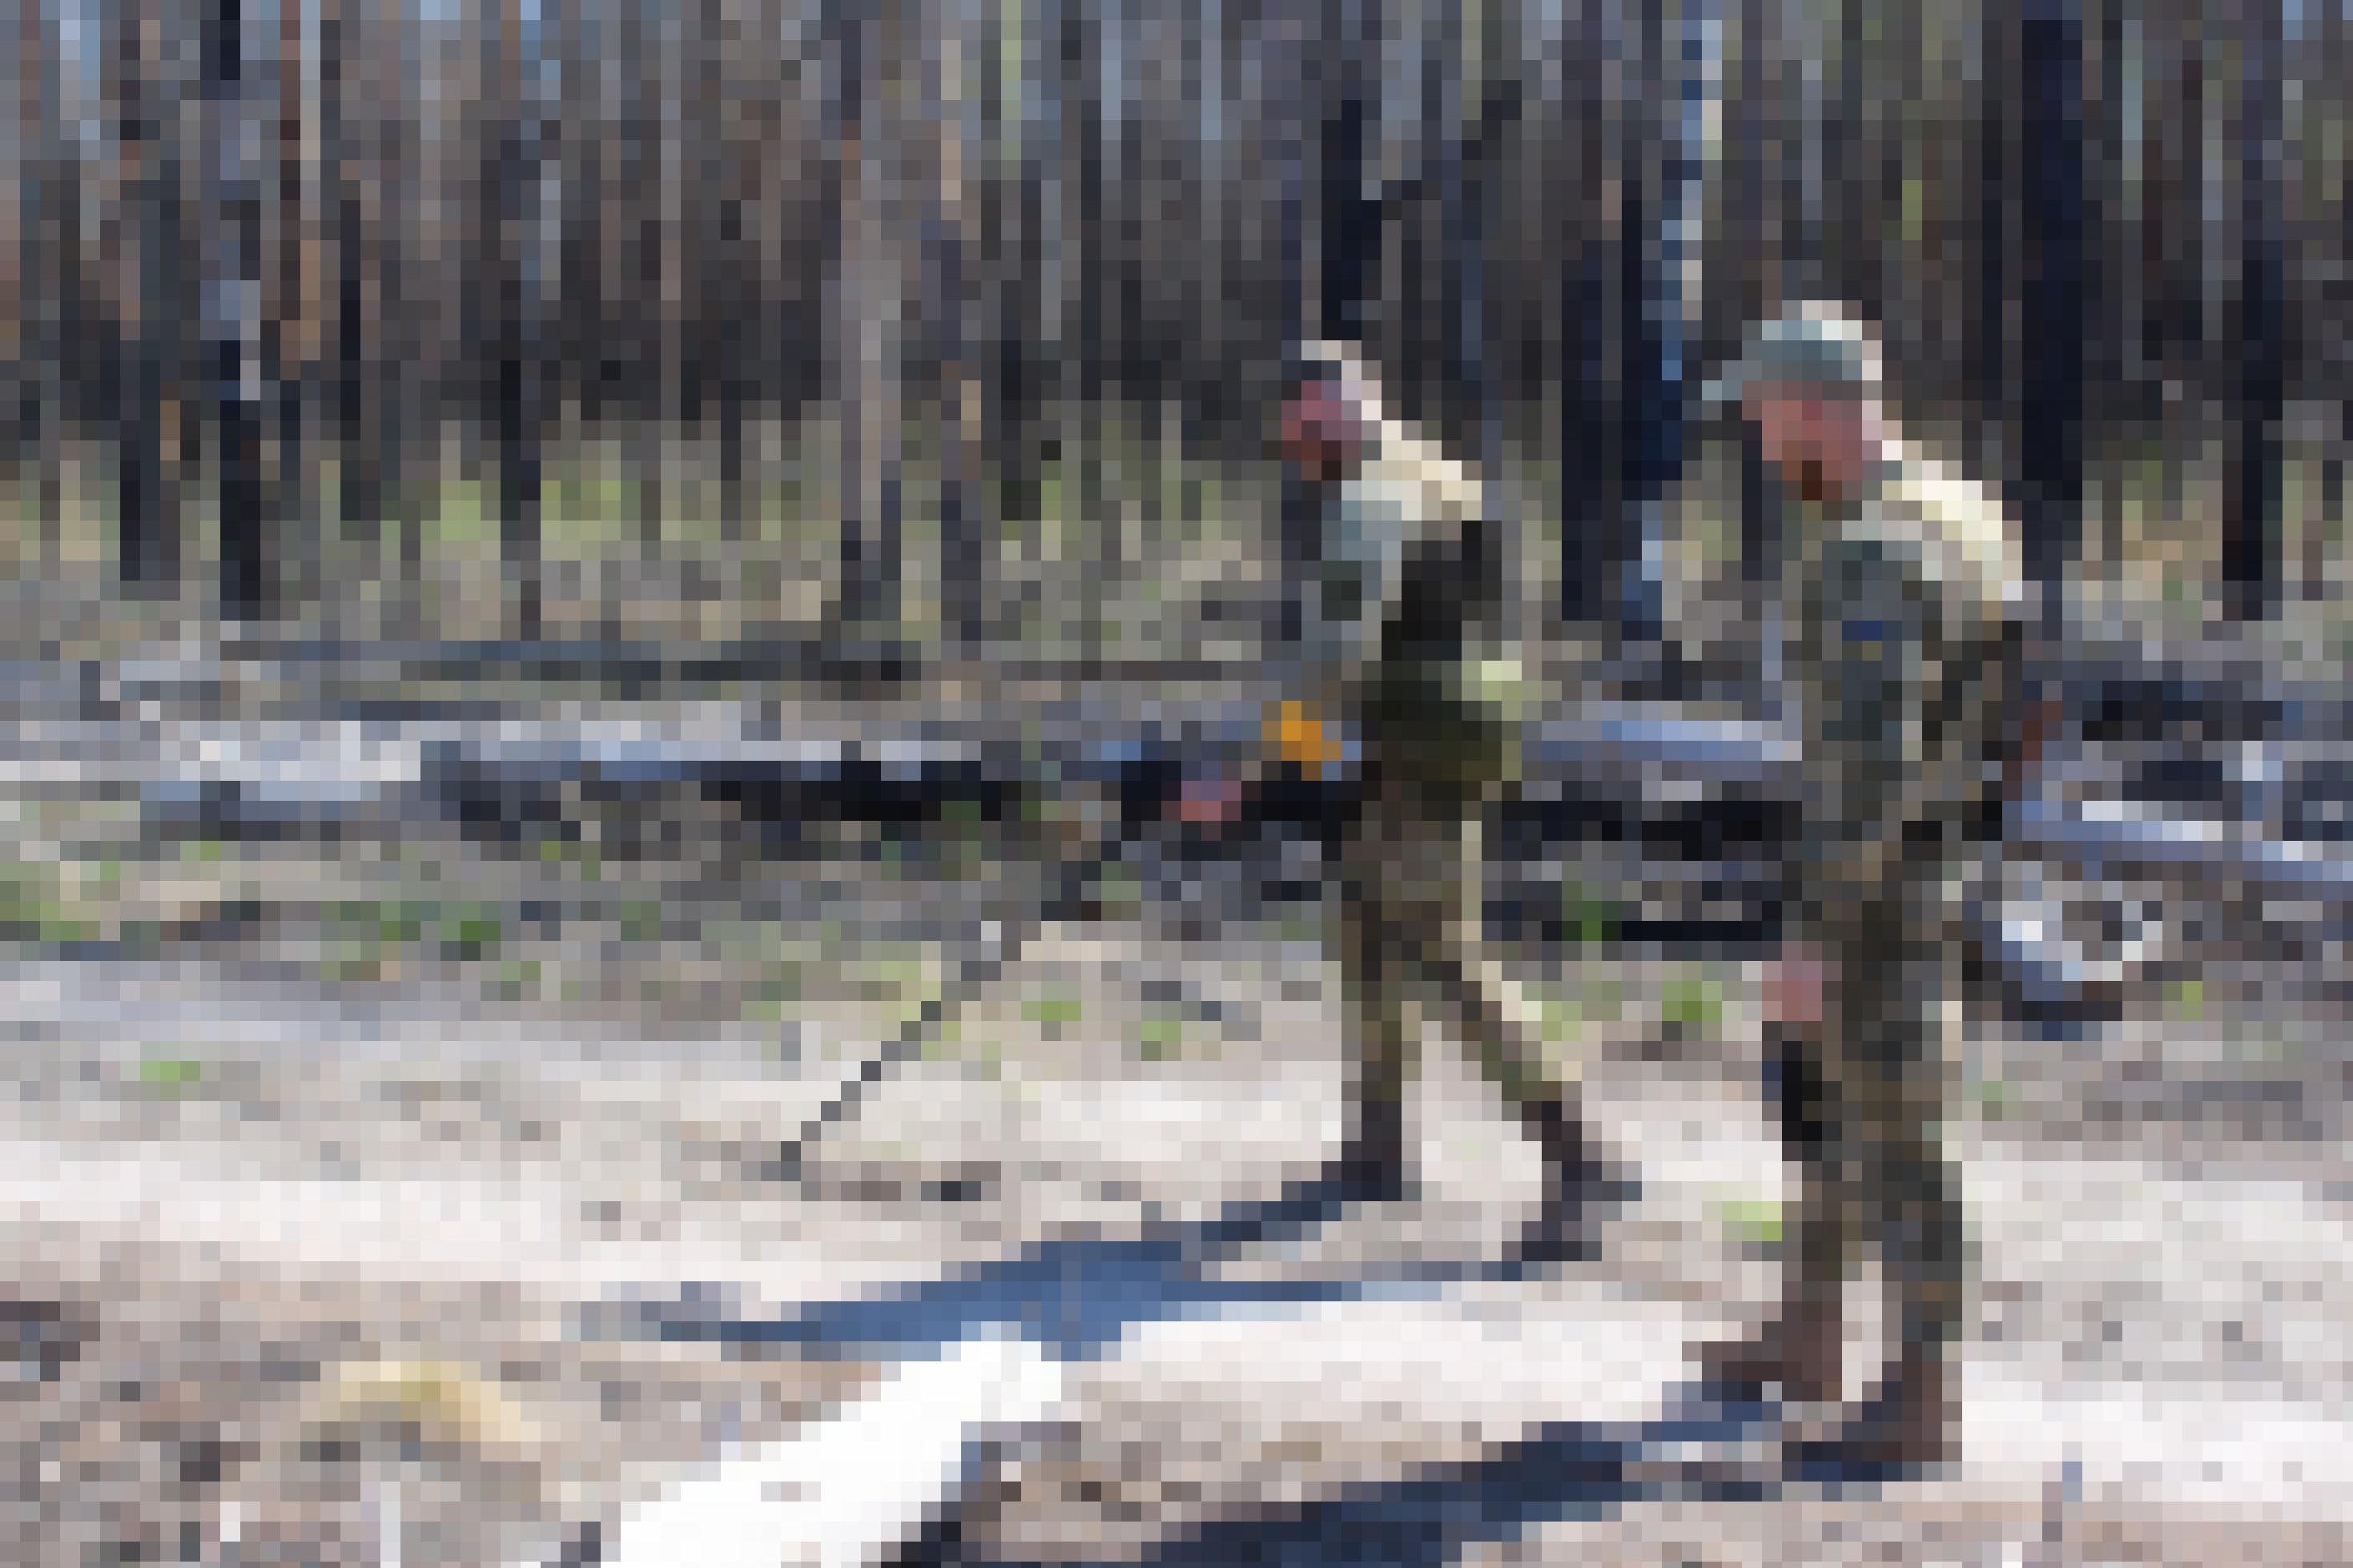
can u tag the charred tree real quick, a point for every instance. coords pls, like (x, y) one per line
(347, 168)
(515, 350)
(867, 356)
(2051, 294)
(2251, 543)
(1595, 408)
(962, 526)
(233, 348)
(147, 558)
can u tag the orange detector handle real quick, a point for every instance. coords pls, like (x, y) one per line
(1294, 734)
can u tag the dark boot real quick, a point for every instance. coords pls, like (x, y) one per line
(1579, 1181)
(1910, 1424)
(1371, 1166)
(1796, 1357)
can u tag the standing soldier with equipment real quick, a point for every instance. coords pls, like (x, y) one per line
(1902, 602)
(1404, 632)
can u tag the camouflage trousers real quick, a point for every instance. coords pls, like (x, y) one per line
(1410, 944)
(1862, 1092)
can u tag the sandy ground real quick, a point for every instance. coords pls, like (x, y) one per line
(441, 1184)
(302, 1228)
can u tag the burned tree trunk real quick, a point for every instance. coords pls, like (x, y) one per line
(233, 328)
(147, 560)
(2252, 544)
(516, 322)
(2051, 295)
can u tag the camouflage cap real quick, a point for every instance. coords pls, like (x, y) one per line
(1816, 343)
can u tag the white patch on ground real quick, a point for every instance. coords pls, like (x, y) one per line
(2128, 1443)
(836, 1493)
(1203, 1418)
(2179, 1339)
(474, 1226)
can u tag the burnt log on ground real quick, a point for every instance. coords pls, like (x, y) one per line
(1682, 789)
(2201, 774)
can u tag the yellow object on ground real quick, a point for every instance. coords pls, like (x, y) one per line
(440, 1402)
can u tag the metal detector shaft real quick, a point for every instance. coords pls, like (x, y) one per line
(971, 979)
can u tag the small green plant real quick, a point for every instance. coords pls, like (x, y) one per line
(171, 1075)
(1752, 1222)
(902, 980)
(981, 1052)
(1602, 1000)
(1118, 889)
(779, 981)
(1586, 919)
(1053, 1012)
(1693, 1005)
(2189, 998)
(1561, 1018)
(1298, 928)
(54, 923)
(470, 936)
(458, 520)
(370, 925)
(1159, 1037)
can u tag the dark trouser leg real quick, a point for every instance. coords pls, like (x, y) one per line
(1925, 1244)
(1373, 1158)
(1927, 1248)
(1924, 1248)
(1913, 1190)
(1497, 1029)
(1496, 1032)
(1899, 1184)
(1799, 1350)
(1580, 1173)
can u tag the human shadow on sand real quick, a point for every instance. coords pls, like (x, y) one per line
(1076, 1299)
(1697, 1452)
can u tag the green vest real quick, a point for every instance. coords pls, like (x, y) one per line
(1444, 704)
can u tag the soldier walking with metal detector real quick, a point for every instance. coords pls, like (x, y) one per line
(1901, 612)
(1405, 628)
(1405, 625)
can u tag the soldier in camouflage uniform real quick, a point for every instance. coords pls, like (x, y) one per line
(1405, 625)
(1900, 601)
